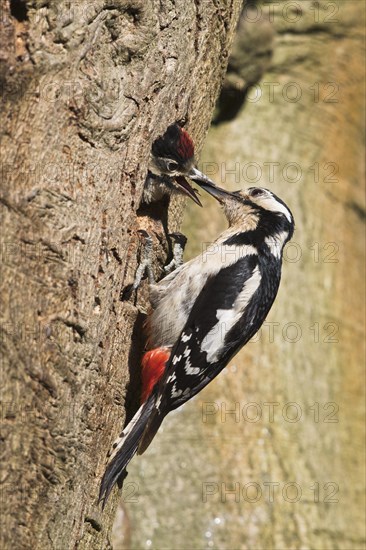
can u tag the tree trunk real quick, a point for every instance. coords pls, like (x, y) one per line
(269, 455)
(86, 88)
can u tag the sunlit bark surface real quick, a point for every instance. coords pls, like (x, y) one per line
(86, 88)
(271, 454)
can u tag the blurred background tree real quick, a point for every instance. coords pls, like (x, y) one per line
(86, 88)
(271, 454)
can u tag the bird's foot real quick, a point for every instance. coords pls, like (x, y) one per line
(179, 242)
(145, 266)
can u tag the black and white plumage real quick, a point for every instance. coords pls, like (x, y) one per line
(208, 309)
(171, 162)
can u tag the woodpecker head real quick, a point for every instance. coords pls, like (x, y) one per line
(173, 157)
(255, 208)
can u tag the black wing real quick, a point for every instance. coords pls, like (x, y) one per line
(191, 366)
(199, 354)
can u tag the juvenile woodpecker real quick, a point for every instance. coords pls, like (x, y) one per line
(204, 312)
(171, 162)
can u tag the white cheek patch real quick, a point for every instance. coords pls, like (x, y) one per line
(269, 203)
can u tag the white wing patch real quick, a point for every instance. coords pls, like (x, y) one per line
(227, 318)
(183, 285)
(229, 254)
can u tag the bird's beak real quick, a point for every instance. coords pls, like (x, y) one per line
(188, 189)
(208, 185)
(199, 177)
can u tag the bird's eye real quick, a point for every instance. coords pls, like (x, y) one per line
(256, 192)
(171, 166)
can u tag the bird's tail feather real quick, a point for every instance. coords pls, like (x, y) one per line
(124, 449)
(151, 428)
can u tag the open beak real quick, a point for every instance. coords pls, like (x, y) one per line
(205, 183)
(188, 189)
(208, 185)
(199, 177)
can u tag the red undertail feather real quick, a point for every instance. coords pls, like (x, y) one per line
(153, 367)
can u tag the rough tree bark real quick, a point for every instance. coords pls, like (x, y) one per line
(269, 455)
(86, 87)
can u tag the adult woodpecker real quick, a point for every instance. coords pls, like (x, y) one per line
(204, 312)
(171, 162)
